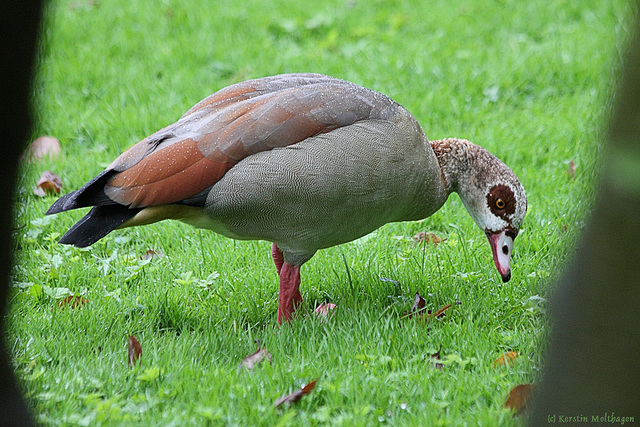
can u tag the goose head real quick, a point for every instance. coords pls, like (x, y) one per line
(498, 209)
(497, 203)
(491, 192)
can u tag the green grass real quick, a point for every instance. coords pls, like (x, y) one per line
(530, 81)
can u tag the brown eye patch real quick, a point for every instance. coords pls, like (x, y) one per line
(501, 201)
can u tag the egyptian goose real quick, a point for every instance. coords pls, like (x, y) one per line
(304, 161)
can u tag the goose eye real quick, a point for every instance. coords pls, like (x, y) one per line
(500, 204)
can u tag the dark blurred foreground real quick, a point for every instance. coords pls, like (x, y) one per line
(19, 29)
(593, 367)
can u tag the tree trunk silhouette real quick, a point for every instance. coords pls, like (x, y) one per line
(593, 366)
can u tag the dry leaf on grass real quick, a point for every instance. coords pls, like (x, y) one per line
(296, 395)
(418, 309)
(423, 236)
(438, 314)
(256, 358)
(49, 183)
(151, 254)
(434, 358)
(419, 304)
(135, 350)
(42, 146)
(571, 170)
(506, 359)
(520, 398)
(73, 301)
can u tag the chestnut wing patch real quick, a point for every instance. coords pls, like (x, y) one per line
(166, 176)
(192, 154)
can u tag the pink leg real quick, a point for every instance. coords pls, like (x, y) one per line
(277, 256)
(289, 297)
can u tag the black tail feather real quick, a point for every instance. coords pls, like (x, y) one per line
(99, 222)
(58, 205)
(91, 194)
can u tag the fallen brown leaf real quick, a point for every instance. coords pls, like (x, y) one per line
(42, 146)
(571, 170)
(423, 236)
(418, 309)
(418, 303)
(73, 301)
(520, 398)
(49, 183)
(506, 359)
(135, 350)
(256, 358)
(438, 313)
(151, 254)
(296, 395)
(434, 357)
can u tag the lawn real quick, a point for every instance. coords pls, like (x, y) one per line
(530, 81)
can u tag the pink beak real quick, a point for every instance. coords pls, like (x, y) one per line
(502, 247)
